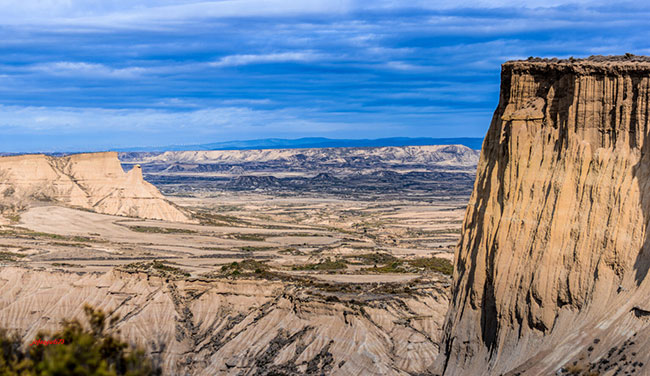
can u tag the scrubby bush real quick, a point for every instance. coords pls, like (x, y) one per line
(74, 350)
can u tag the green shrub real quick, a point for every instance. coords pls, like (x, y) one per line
(418, 265)
(91, 352)
(160, 230)
(156, 267)
(435, 264)
(326, 264)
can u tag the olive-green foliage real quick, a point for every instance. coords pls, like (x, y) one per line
(156, 268)
(373, 258)
(206, 218)
(9, 256)
(160, 230)
(434, 264)
(28, 234)
(244, 267)
(87, 352)
(326, 264)
(248, 237)
(249, 248)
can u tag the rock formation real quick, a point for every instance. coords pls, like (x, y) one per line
(93, 181)
(440, 155)
(551, 270)
(235, 327)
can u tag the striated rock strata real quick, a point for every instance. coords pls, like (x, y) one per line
(93, 181)
(551, 271)
(236, 327)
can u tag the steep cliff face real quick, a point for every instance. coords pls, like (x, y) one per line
(94, 181)
(552, 266)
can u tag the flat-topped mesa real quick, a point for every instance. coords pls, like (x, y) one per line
(93, 181)
(551, 267)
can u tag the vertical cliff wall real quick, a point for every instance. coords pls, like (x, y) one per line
(551, 270)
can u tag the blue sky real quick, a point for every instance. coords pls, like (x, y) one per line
(95, 74)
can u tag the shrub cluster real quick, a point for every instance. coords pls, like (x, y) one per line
(74, 350)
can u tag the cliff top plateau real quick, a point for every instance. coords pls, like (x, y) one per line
(592, 64)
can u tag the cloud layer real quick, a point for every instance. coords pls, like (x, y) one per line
(90, 75)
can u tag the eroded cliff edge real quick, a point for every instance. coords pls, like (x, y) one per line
(92, 181)
(552, 266)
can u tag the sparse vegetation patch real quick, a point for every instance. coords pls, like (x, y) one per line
(326, 264)
(376, 258)
(248, 237)
(161, 230)
(427, 264)
(292, 252)
(10, 256)
(206, 218)
(156, 268)
(28, 234)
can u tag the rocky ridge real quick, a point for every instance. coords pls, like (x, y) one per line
(441, 155)
(92, 181)
(551, 270)
(411, 172)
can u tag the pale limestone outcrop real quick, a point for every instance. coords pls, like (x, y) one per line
(93, 181)
(438, 155)
(551, 269)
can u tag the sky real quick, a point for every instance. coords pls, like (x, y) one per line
(87, 75)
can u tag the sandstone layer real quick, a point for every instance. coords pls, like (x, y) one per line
(551, 270)
(93, 181)
(236, 327)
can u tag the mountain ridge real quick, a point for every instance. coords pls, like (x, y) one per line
(313, 142)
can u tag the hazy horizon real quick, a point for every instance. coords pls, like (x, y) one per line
(271, 143)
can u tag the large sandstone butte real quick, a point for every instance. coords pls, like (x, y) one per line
(92, 181)
(551, 271)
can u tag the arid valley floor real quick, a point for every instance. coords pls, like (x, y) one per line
(308, 264)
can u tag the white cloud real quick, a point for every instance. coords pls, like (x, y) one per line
(283, 57)
(139, 12)
(216, 120)
(144, 13)
(474, 4)
(406, 67)
(68, 68)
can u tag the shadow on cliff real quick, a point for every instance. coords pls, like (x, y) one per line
(641, 173)
(496, 151)
(494, 148)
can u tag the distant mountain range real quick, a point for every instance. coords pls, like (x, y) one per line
(316, 142)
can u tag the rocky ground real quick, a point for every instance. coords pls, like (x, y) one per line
(258, 282)
(416, 173)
